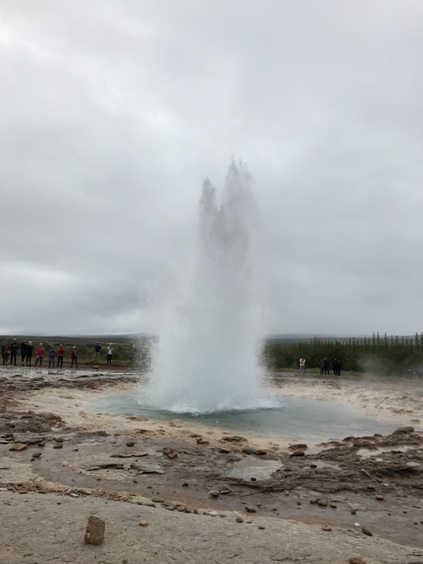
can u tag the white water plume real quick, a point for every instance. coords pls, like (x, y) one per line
(206, 358)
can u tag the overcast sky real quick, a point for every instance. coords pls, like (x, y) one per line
(113, 112)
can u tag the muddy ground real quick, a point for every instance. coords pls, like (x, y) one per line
(249, 500)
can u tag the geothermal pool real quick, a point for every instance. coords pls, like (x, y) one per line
(293, 419)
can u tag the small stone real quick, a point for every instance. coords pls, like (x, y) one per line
(261, 527)
(239, 519)
(379, 497)
(58, 445)
(356, 561)
(18, 446)
(250, 509)
(143, 523)
(214, 493)
(130, 444)
(94, 533)
(322, 502)
(326, 528)
(297, 453)
(366, 531)
(172, 454)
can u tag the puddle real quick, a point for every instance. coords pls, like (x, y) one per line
(368, 453)
(247, 469)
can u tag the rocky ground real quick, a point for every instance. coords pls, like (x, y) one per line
(169, 493)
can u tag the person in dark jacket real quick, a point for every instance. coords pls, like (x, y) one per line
(13, 352)
(29, 350)
(24, 349)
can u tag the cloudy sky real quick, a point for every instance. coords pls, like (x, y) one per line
(112, 113)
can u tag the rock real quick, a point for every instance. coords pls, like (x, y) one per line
(403, 430)
(379, 497)
(18, 446)
(143, 523)
(261, 452)
(250, 509)
(249, 450)
(326, 528)
(366, 531)
(202, 441)
(301, 446)
(233, 439)
(297, 453)
(356, 561)
(214, 493)
(322, 502)
(224, 490)
(58, 445)
(223, 450)
(94, 533)
(239, 519)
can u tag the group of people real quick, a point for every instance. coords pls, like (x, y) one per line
(26, 348)
(10, 352)
(324, 366)
(97, 351)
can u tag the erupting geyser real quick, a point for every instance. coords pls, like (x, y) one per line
(207, 355)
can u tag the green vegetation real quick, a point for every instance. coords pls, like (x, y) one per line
(122, 348)
(387, 354)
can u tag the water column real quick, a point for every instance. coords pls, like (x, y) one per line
(206, 358)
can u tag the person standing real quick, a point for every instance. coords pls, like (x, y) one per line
(29, 349)
(302, 365)
(109, 353)
(326, 365)
(60, 355)
(51, 356)
(39, 353)
(97, 349)
(24, 350)
(132, 355)
(13, 352)
(74, 357)
(5, 351)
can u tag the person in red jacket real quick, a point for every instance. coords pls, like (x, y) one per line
(74, 357)
(60, 354)
(39, 353)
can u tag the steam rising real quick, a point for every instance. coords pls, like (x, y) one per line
(206, 358)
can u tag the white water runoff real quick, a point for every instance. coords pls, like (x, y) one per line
(207, 354)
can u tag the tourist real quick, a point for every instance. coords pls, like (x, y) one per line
(13, 349)
(302, 365)
(336, 367)
(74, 357)
(109, 353)
(29, 349)
(60, 355)
(132, 355)
(5, 352)
(39, 353)
(325, 366)
(24, 350)
(13, 352)
(51, 356)
(97, 349)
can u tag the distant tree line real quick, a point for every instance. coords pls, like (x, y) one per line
(378, 354)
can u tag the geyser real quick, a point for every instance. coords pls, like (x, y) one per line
(207, 355)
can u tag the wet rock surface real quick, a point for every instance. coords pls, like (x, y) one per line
(374, 481)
